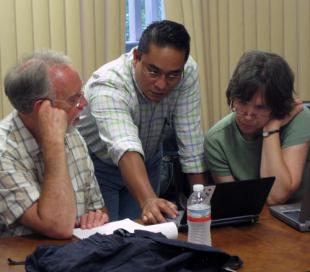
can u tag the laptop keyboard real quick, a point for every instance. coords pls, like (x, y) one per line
(293, 214)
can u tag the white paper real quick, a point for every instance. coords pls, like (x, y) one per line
(168, 229)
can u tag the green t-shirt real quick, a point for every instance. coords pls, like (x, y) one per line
(229, 154)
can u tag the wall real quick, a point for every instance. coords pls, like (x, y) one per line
(222, 30)
(79, 28)
(235, 26)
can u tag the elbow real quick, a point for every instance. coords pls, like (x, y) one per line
(60, 233)
(276, 199)
(272, 201)
(280, 193)
(63, 235)
(57, 230)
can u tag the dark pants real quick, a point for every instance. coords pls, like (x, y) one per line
(118, 199)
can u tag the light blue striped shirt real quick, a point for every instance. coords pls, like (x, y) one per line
(120, 118)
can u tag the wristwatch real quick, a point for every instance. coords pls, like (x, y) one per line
(267, 133)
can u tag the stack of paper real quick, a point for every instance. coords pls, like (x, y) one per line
(168, 229)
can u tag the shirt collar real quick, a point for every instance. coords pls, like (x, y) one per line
(23, 134)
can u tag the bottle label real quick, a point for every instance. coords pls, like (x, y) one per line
(198, 215)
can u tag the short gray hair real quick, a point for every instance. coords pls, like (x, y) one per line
(29, 80)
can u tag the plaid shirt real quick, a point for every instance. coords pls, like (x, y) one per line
(120, 118)
(22, 171)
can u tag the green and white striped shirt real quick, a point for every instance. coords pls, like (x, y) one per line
(22, 171)
(120, 118)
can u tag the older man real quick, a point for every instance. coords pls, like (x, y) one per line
(47, 182)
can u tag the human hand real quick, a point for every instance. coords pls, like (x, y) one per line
(92, 219)
(154, 208)
(52, 123)
(278, 123)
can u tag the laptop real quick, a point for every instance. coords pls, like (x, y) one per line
(239, 202)
(296, 215)
(235, 203)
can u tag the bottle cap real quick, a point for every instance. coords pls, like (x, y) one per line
(198, 188)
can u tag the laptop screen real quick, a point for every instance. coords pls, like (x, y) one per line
(240, 198)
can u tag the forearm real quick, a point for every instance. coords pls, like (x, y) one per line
(56, 208)
(57, 188)
(286, 164)
(135, 175)
(273, 164)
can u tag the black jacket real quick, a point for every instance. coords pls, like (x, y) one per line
(122, 251)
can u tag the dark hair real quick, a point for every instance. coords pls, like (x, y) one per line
(268, 73)
(165, 33)
(29, 80)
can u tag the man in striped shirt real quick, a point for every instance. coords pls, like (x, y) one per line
(132, 100)
(47, 181)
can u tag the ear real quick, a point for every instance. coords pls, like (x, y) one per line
(38, 103)
(135, 56)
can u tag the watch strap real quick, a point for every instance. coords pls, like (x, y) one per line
(269, 132)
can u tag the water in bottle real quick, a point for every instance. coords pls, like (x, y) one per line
(199, 217)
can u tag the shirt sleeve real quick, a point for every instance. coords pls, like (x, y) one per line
(217, 162)
(95, 200)
(17, 191)
(297, 131)
(187, 120)
(114, 120)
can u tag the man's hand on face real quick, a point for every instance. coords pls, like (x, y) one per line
(154, 210)
(92, 219)
(52, 123)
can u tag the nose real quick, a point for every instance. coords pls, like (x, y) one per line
(161, 83)
(249, 113)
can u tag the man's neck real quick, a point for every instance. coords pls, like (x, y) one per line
(28, 121)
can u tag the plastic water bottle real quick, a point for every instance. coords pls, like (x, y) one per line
(199, 217)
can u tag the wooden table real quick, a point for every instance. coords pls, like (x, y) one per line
(268, 246)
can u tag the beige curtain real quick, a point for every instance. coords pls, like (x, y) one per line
(221, 30)
(90, 32)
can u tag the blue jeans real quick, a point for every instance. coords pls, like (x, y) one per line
(117, 198)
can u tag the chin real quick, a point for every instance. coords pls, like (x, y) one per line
(157, 98)
(249, 131)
